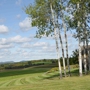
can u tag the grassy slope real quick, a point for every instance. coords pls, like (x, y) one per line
(36, 79)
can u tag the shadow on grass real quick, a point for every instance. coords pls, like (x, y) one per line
(73, 73)
(52, 76)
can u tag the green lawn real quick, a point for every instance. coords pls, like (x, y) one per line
(36, 78)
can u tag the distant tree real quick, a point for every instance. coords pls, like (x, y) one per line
(75, 56)
(29, 63)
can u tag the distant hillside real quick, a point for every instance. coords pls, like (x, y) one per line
(7, 62)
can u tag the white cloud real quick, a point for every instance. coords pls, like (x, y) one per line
(25, 54)
(5, 54)
(28, 49)
(50, 48)
(26, 45)
(18, 16)
(10, 42)
(25, 24)
(6, 46)
(40, 47)
(3, 29)
(3, 41)
(19, 39)
(39, 44)
(18, 2)
(35, 45)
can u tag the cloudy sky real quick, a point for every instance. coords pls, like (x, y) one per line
(17, 40)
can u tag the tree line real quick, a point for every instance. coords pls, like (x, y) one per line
(53, 62)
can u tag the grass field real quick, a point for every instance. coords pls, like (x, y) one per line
(36, 78)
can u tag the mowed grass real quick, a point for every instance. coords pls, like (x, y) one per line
(36, 78)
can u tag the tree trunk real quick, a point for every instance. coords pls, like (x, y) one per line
(60, 38)
(57, 48)
(55, 33)
(80, 56)
(62, 53)
(85, 46)
(85, 61)
(64, 26)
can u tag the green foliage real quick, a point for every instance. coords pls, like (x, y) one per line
(53, 70)
(41, 18)
(41, 15)
(74, 56)
(75, 1)
(80, 21)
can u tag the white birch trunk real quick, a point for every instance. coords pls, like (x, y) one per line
(64, 67)
(85, 46)
(80, 56)
(63, 57)
(57, 48)
(85, 61)
(64, 26)
(55, 33)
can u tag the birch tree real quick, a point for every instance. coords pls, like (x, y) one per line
(81, 8)
(66, 42)
(75, 23)
(57, 11)
(64, 27)
(43, 17)
(53, 20)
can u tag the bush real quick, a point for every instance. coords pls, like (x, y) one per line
(53, 70)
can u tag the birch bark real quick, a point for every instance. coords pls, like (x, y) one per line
(66, 42)
(64, 67)
(80, 56)
(56, 40)
(85, 61)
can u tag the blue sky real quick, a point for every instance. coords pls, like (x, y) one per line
(17, 40)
